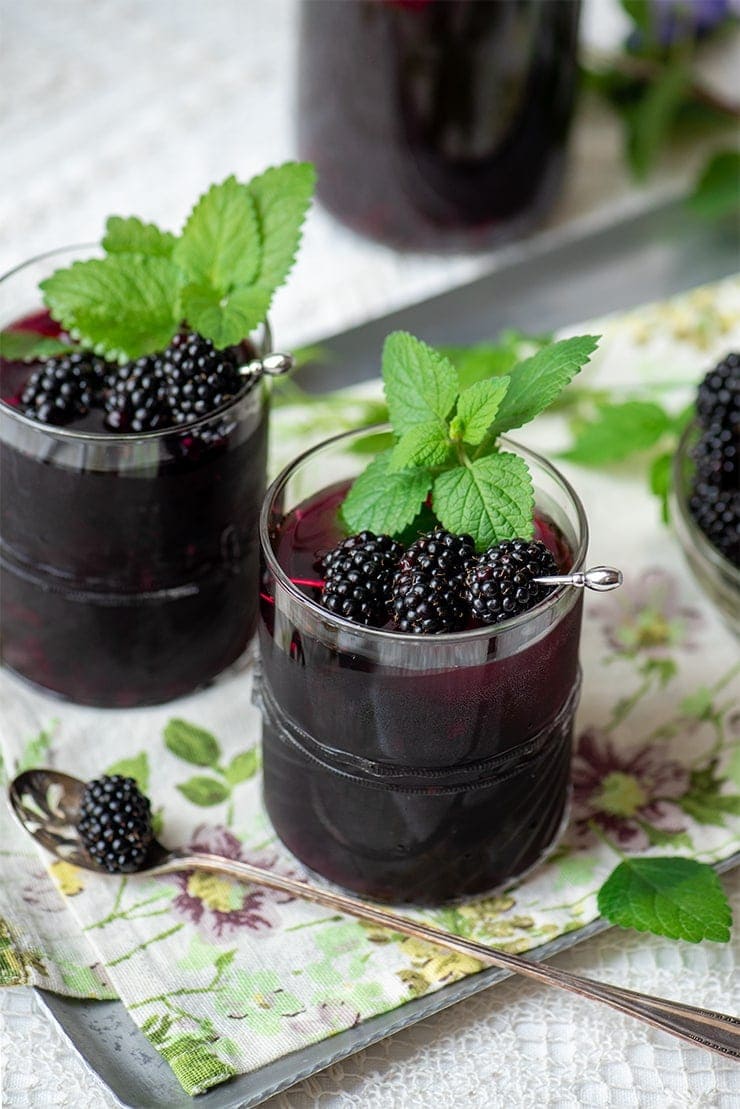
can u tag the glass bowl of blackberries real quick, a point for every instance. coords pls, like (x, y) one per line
(706, 489)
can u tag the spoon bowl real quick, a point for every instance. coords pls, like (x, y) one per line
(47, 804)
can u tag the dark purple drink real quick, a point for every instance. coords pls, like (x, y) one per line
(128, 563)
(437, 123)
(413, 768)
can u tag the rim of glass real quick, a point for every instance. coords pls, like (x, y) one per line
(113, 436)
(403, 637)
(688, 531)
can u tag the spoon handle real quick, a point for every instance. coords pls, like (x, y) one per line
(703, 1027)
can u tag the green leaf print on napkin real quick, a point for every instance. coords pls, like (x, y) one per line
(199, 747)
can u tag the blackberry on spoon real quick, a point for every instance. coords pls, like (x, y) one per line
(502, 582)
(116, 823)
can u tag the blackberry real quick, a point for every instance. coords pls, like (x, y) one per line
(716, 458)
(137, 399)
(188, 380)
(64, 388)
(357, 577)
(717, 513)
(718, 398)
(116, 823)
(501, 584)
(441, 552)
(427, 603)
(200, 378)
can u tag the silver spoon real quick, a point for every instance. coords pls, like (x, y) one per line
(599, 578)
(47, 804)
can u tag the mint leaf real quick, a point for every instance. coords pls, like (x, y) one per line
(191, 743)
(122, 306)
(717, 192)
(385, 502)
(618, 431)
(225, 318)
(670, 896)
(491, 499)
(281, 196)
(420, 384)
(423, 445)
(221, 242)
(536, 382)
(477, 407)
(204, 791)
(130, 235)
(27, 346)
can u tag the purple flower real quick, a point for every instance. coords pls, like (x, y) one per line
(218, 905)
(647, 618)
(626, 793)
(673, 21)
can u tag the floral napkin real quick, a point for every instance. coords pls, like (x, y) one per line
(224, 978)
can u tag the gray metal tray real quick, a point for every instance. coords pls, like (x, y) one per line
(555, 281)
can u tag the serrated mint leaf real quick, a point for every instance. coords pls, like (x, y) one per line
(491, 499)
(477, 407)
(191, 743)
(242, 767)
(221, 244)
(204, 791)
(131, 235)
(122, 306)
(717, 192)
(282, 196)
(420, 384)
(423, 445)
(385, 502)
(535, 383)
(27, 346)
(136, 767)
(670, 896)
(617, 431)
(225, 318)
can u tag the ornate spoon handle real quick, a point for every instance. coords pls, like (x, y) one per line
(715, 1031)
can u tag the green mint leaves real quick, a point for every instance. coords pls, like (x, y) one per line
(27, 346)
(446, 441)
(237, 246)
(670, 896)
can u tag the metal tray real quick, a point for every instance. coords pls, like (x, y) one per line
(547, 282)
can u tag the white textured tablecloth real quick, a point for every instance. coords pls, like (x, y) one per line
(135, 106)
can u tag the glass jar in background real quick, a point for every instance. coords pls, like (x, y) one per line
(128, 563)
(437, 124)
(409, 768)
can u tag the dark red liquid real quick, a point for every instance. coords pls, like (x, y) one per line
(420, 784)
(128, 575)
(437, 123)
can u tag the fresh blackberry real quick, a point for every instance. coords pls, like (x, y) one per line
(716, 458)
(718, 398)
(427, 603)
(188, 380)
(116, 823)
(501, 584)
(441, 552)
(137, 398)
(200, 378)
(717, 513)
(64, 388)
(358, 574)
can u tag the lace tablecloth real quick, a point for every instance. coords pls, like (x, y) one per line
(136, 106)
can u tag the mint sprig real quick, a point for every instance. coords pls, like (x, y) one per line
(669, 896)
(218, 276)
(447, 441)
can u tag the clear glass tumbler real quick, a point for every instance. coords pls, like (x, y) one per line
(409, 768)
(128, 563)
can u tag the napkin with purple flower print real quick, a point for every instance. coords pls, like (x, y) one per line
(224, 978)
